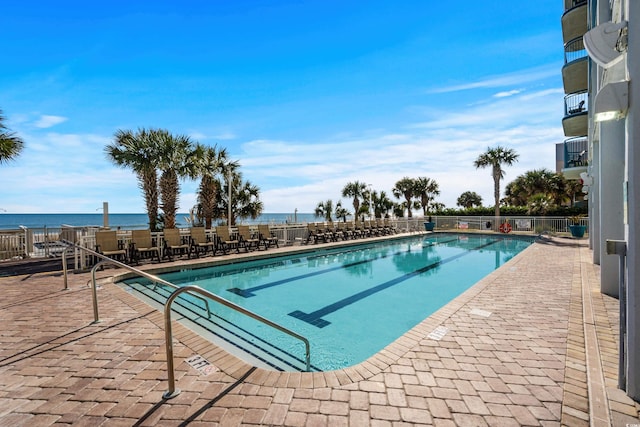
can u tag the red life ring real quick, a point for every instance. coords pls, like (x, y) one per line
(505, 227)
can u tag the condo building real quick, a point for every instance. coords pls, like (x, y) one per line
(601, 78)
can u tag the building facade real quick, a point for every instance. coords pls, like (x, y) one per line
(602, 60)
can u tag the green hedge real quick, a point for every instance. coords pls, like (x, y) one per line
(510, 211)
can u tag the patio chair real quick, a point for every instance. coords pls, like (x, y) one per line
(107, 244)
(200, 242)
(245, 236)
(344, 229)
(266, 236)
(174, 245)
(335, 230)
(389, 226)
(142, 246)
(226, 242)
(362, 229)
(314, 233)
(381, 227)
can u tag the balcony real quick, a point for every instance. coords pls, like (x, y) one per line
(576, 109)
(576, 156)
(575, 71)
(574, 19)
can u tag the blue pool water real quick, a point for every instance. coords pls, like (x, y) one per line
(349, 302)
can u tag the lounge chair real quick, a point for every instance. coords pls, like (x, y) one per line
(245, 236)
(381, 227)
(362, 229)
(389, 226)
(266, 236)
(226, 242)
(336, 231)
(355, 232)
(107, 244)
(314, 233)
(174, 245)
(142, 246)
(200, 242)
(344, 229)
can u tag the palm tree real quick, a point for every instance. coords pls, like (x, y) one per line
(341, 212)
(177, 158)
(426, 189)
(211, 167)
(357, 190)
(324, 210)
(10, 144)
(382, 204)
(246, 202)
(469, 199)
(138, 152)
(553, 187)
(245, 197)
(405, 188)
(495, 158)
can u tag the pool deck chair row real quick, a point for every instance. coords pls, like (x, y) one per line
(333, 232)
(141, 245)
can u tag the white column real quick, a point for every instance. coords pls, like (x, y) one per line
(633, 227)
(611, 179)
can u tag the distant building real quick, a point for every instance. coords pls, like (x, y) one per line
(602, 56)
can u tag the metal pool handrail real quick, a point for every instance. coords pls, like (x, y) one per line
(172, 391)
(107, 260)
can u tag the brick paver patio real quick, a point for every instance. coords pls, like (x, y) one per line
(534, 343)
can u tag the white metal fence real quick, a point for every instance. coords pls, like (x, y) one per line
(47, 241)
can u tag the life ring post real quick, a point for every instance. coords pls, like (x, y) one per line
(505, 227)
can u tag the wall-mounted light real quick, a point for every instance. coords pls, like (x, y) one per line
(612, 101)
(605, 43)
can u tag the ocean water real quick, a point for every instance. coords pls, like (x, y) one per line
(10, 221)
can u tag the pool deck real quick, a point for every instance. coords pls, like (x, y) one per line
(534, 343)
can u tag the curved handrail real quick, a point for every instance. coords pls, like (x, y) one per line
(107, 260)
(172, 391)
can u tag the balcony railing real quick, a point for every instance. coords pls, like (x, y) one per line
(576, 152)
(574, 50)
(576, 103)
(570, 4)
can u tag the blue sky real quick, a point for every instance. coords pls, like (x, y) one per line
(306, 95)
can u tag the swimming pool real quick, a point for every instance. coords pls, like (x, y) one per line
(350, 302)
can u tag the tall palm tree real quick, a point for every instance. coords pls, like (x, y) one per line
(405, 188)
(325, 210)
(211, 168)
(495, 158)
(177, 158)
(426, 189)
(138, 152)
(357, 190)
(10, 144)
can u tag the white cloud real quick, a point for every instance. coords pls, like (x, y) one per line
(46, 121)
(510, 79)
(507, 93)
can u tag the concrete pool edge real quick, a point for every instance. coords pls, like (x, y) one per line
(236, 368)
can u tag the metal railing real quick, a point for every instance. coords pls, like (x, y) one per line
(574, 50)
(576, 103)
(106, 260)
(576, 152)
(172, 391)
(191, 289)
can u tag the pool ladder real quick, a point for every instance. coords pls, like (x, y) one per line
(193, 290)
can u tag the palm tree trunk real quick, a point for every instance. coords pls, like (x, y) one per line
(149, 184)
(496, 193)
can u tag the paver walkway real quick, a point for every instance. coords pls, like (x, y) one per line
(516, 350)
